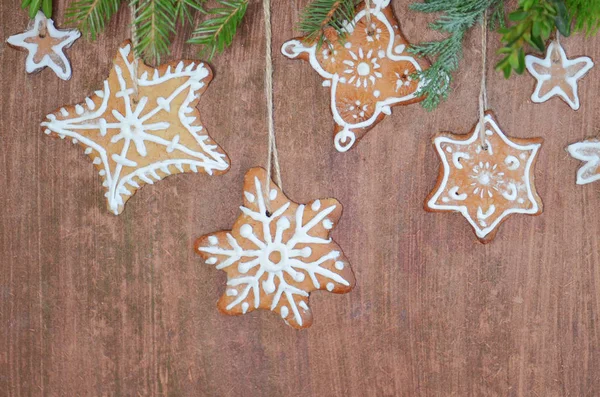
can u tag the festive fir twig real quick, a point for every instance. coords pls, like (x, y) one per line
(320, 15)
(458, 17)
(585, 15)
(33, 6)
(217, 32)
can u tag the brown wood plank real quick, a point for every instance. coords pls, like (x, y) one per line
(93, 304)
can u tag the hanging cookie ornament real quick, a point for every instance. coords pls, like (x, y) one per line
(557, 75)
(368, 72)
(587, 151)
(485, 176)
(142, 126)
(45, 46)
(277, 251)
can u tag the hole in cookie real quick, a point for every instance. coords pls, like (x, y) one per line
(268, 213)
(484, 147)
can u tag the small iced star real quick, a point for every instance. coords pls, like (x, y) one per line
(588, 151)
(46, 46)
(557, 75)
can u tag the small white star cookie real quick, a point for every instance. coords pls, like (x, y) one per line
(557, 75)
(135, 140)
(46, 46)
(485, 183)
(368, 72)
(277, 253)
(588, 151)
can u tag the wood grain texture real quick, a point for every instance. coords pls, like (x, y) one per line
(94, 304)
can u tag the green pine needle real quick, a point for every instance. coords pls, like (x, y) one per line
(322, 14)
(458, 17)
(155, 22)
(217, 32)
(91, 16)
(34, 6)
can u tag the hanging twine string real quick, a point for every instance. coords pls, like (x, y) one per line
(368, 16)
(483, 102)
(134, 44)
(272, 156)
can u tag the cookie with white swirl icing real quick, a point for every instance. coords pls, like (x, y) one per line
(486, 180)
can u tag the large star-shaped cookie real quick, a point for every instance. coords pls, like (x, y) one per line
(588, 151)
(485, 183)
(277, 253)
(557, 75)
(368, 72)
(133, 140)
(46, 46)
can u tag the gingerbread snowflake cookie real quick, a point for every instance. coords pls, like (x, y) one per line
(45, 46)
(589, 152)
(277, 253)
(557, 75)
(368, 72)
(139, 138)
(486, 182)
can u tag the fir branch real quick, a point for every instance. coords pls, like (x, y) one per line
(155, 22)
(91, 16)
(458, 17)
(320, 15)
(585, 15)
(184, 10)
(34, 6)
(217, 32)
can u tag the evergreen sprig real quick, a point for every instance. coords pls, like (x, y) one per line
(33, 6)
(321, 15)
(585, 14)
(217, 32)
(91, 16)
(457, 18)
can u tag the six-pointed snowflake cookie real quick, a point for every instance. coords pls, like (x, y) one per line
(588, 151)
(368, 72)
(277, 253)
(135, 139)
(46, 46)
(485, 183)
(557, 75)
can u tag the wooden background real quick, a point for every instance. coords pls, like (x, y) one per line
(94, 304)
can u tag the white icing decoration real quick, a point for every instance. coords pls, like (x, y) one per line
(249, 196)
(588, 151)
(232, 292)
(245, 307)
(454, 193)
(273, 194)
(456, 159)
(284, 311)
(316, 205)
(512, 162)
(585, 64)
(303, 305)
(62, 68)
(327, 224)
(339, 265)
(330, 286)
(290, 258)
(511, 194)
(211, 261)
(213, 240)
(137, 125)
(357, 74)
(495, 179)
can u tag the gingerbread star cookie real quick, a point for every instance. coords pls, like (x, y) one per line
(277, 253)
(139, 138)
(588, 151)
(485, 182)
(557, 75)
(368, 72)
(45, 46)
